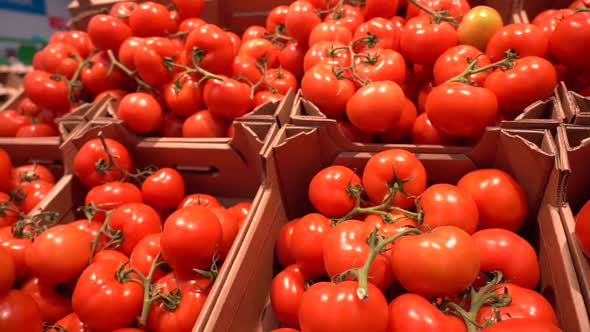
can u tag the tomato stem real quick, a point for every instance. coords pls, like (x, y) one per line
(437, 16)
(196, 57)
(473, 68)
(147, 290)
(277, 37)
(105, 229)
(31, 226)
(369, 39)
(115, 63)
(211, 274)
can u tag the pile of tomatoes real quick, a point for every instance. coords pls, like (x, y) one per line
(143, 257)
(386, 252)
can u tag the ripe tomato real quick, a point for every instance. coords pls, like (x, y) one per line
(423, 42)
(215, 94)
(456, 8)
(19, 312)
(388, 34)
(328, 190)
(263, 97)
(5, 171)
(141, 112)
(217, 47)
(381, 65)
(108, 33)
(203, 200)
(459, 109)
(440, 263)
(383, 167)
(347, 16)
(172, 126)
(151, 19)
(326, 52)
(346, 248)
(411, 312)
(190, 24)
(71, 323)
(58, 254)
(501, 201)
(390, 229)
(7, 273)
(127, 51)
(323, 299)
(307, 243)
(353, 133)
(205, 124)
(190, 239)
(376, 107)
(122, 10)
(571, 32)
(46, 92)
(550, 19)
(163, 189)
(379, 8)
(16, 246)
(329, 31)
(423, 132)
(276, 18)
(149, 63)
(454, 61)
(280, 79)
(143, 256)
(99, 77)
(80, 40)
(241, 211)
(11, 122)
(403, 128)
(253, 32)
(260, 49)
(300, 20)
(110, 255)
(103, 302)
(328, 92)
(478, 26)
(583, 228)
(284, 245)
(185, 99)
(28, 107)
(522, 325)
(135, 221)
(245, 66)
(111, 195)
(51, 302)
(24, 174)
(37, 130)
(291, 58)
(34, 193)
(497, 250)
(52, 56)
(525, 303)
(230, 229)
(286, 291)
(448, 205)
(189, 8)
(523, 38)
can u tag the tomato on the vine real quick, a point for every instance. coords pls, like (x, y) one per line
(447, 205)
(329, 190)
(150, 19)
(34, 192)
(411, 312)
(46, 91)
(329, 31)
(212, 47)
(110, 196)
(523, 38)
(283, 246)
(567, 37)
(204, 123)
(347, 16)
(307, 243)
(11, 122)
(215, 95)
(107, 32)
(403, 128)
(422, 42)
(376, 107)
(326, 52)
(135, 221)
(7, 273)
(92, 153)
(388, 34)
(454, 61)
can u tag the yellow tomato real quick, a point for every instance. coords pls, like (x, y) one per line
(478, 26)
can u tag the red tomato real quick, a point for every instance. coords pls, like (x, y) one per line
(284, 245)
(7, 274)
(253, 32)
(28, 107)
(453, 62)
(456, 8)
(217, 47)
(102, 301)
(411, 312)
(122, 10)
(583, 228)
(323, 299)
(110, 255)
(571, 32)
(235, 40)
(99, 77)
(51, 302)
(263, 97)
(379, 8)
(230, 229)
(11, 122)
(203, 200)
(46, 92)
(291, 58)
(5, 171)
(551, 20)
(37, 130)
(423, 132)
(108, 33)
(190, 239)
(141, 112)
(330, 31)
(353, 133)
(215, 94)
(329, 191)
(522, 325)
(127, 51)
(116, 95)
(135, 221)
(286, 291)
(579, 3)
(241, 211)
(163, 189)
(71, 323)
(423, 42)
(34, 193)
(523, 38)
(459, 109)
(328, 92)
(52, 56)
(184, 99)
(172, 126)
(448, 205)
(58, 254)
(111, 195)
(190, 24)
(376, 107)
(246, 66)
(189, 8)
(205, 124)
(300, 20)
(19, 312)
(347, 16)
(150, 19)
(145, 253)
(280, 79)
(403, 128)
(16, 245)
(381, 65)
(260, 49)
(501, 201)
(440, 263)
(149, 63)
(388, 34)
(307, 243)
(497, 250)
(325, 52)
(276, 18)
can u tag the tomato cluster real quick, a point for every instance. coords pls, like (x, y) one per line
(143, 257)
(405, 256)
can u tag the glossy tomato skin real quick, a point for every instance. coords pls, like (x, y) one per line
(7, 274)
(260, 49)
(582, 229)
(498, 249)
(37, 130)
(286, 291)
(52, 304)
(453, 62)
(189, 8)
(423, 132)
(501, 201)
(108, 254)
(145, 253)
(111, 195)
(19, 312)
(291, 58)
(355, 134)
(141, 112)
(241, 210)
(92, 152)
(276, 18)
(263, 97)
(382, 65)
(204, 123)
(215, 95)
(550, 19)
(423, 42)
(217, 45)
(151, 19)
(284, 245)
(34, 193)
(524, 38)
(323, 299)
(379, 8)
(411, 312)
(326, 52)
(300, 20)
(164, 189)
(12, 122)
(376, 107)
(204, 200)
(347, 16)
(456, 8)
(102, 302)
(24, 174)
(46, 92)
(328, 190)
(17, 248)
(445, 204)
(329, 31)
(135, 221)
(71, 323)
(574, 30)
(230, 229)
(108, 33)
(459, 109)
(388, 34)
(186, 100)
(379, 172)
(10, 215)
(522, 325)
(329, 93)
(98, 77)
(281, 79)
(478, 26)
(307, 243)
(443, 262)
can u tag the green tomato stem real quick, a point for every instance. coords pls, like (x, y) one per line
(472, 68)
(147, 290)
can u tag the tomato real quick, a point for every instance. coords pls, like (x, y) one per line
(52, 304)
(236, 41)
(28, 107)
(582, 229)
(58, 254)
(16, 246)
(246, 66)
(34, 193)
(281, 80)
(135, 221)
(329, 191)
(103, 302)
(112, 195)
(122, 10)
(497, 249)
(215, 94)
(110, 255)
(260, 49)
(241, 210)
(456, 8)
(523, 38)
(328, 92)
(353, 133)
(36, 130)
(5, 170)
(172, 126)
(163, 189)
(108, 33)
(525, 303)
(205, 124)
(459, 109)
(46, 92)
(230, 229)
(217, 47)
(144, 253)
(183, 99)
(7, 273)
(8, 211)
(276, 18)
(329, 31)
(149, 63)
(189, 8)
(291, 58)
(71, 323)
(19, 312)
(204, 200)
(286, 291)
(325, 52)
(381, 65)
(141, 112)
(300, 20)
(284, 245)
(307, 243)
(388, 34)
(127, 51)
(423, 132)
(478, 26)
(52, 55)
(376, 107)
(11, 122)
(440, 263)
(150, 19)
(501, 201)
(454, 61)
(448, 205)
(190, 24)
(99, 77)
(253, 32)
(522, 325)
(190, 239)
(379, 171)
(423, 42)
(390, 229)
(263, 97)
(347, 16)
(379, 8)
(411, 312)
(403, 127)
(324, 299)
(116, 95)
(551, 20)
(572, 31)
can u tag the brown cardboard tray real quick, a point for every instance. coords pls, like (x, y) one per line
(578, 106)
(297, 153)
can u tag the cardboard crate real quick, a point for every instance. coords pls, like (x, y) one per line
(574, 144)
(297, 153)
(578, 106)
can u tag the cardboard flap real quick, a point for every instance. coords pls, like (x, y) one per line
(278, 111)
